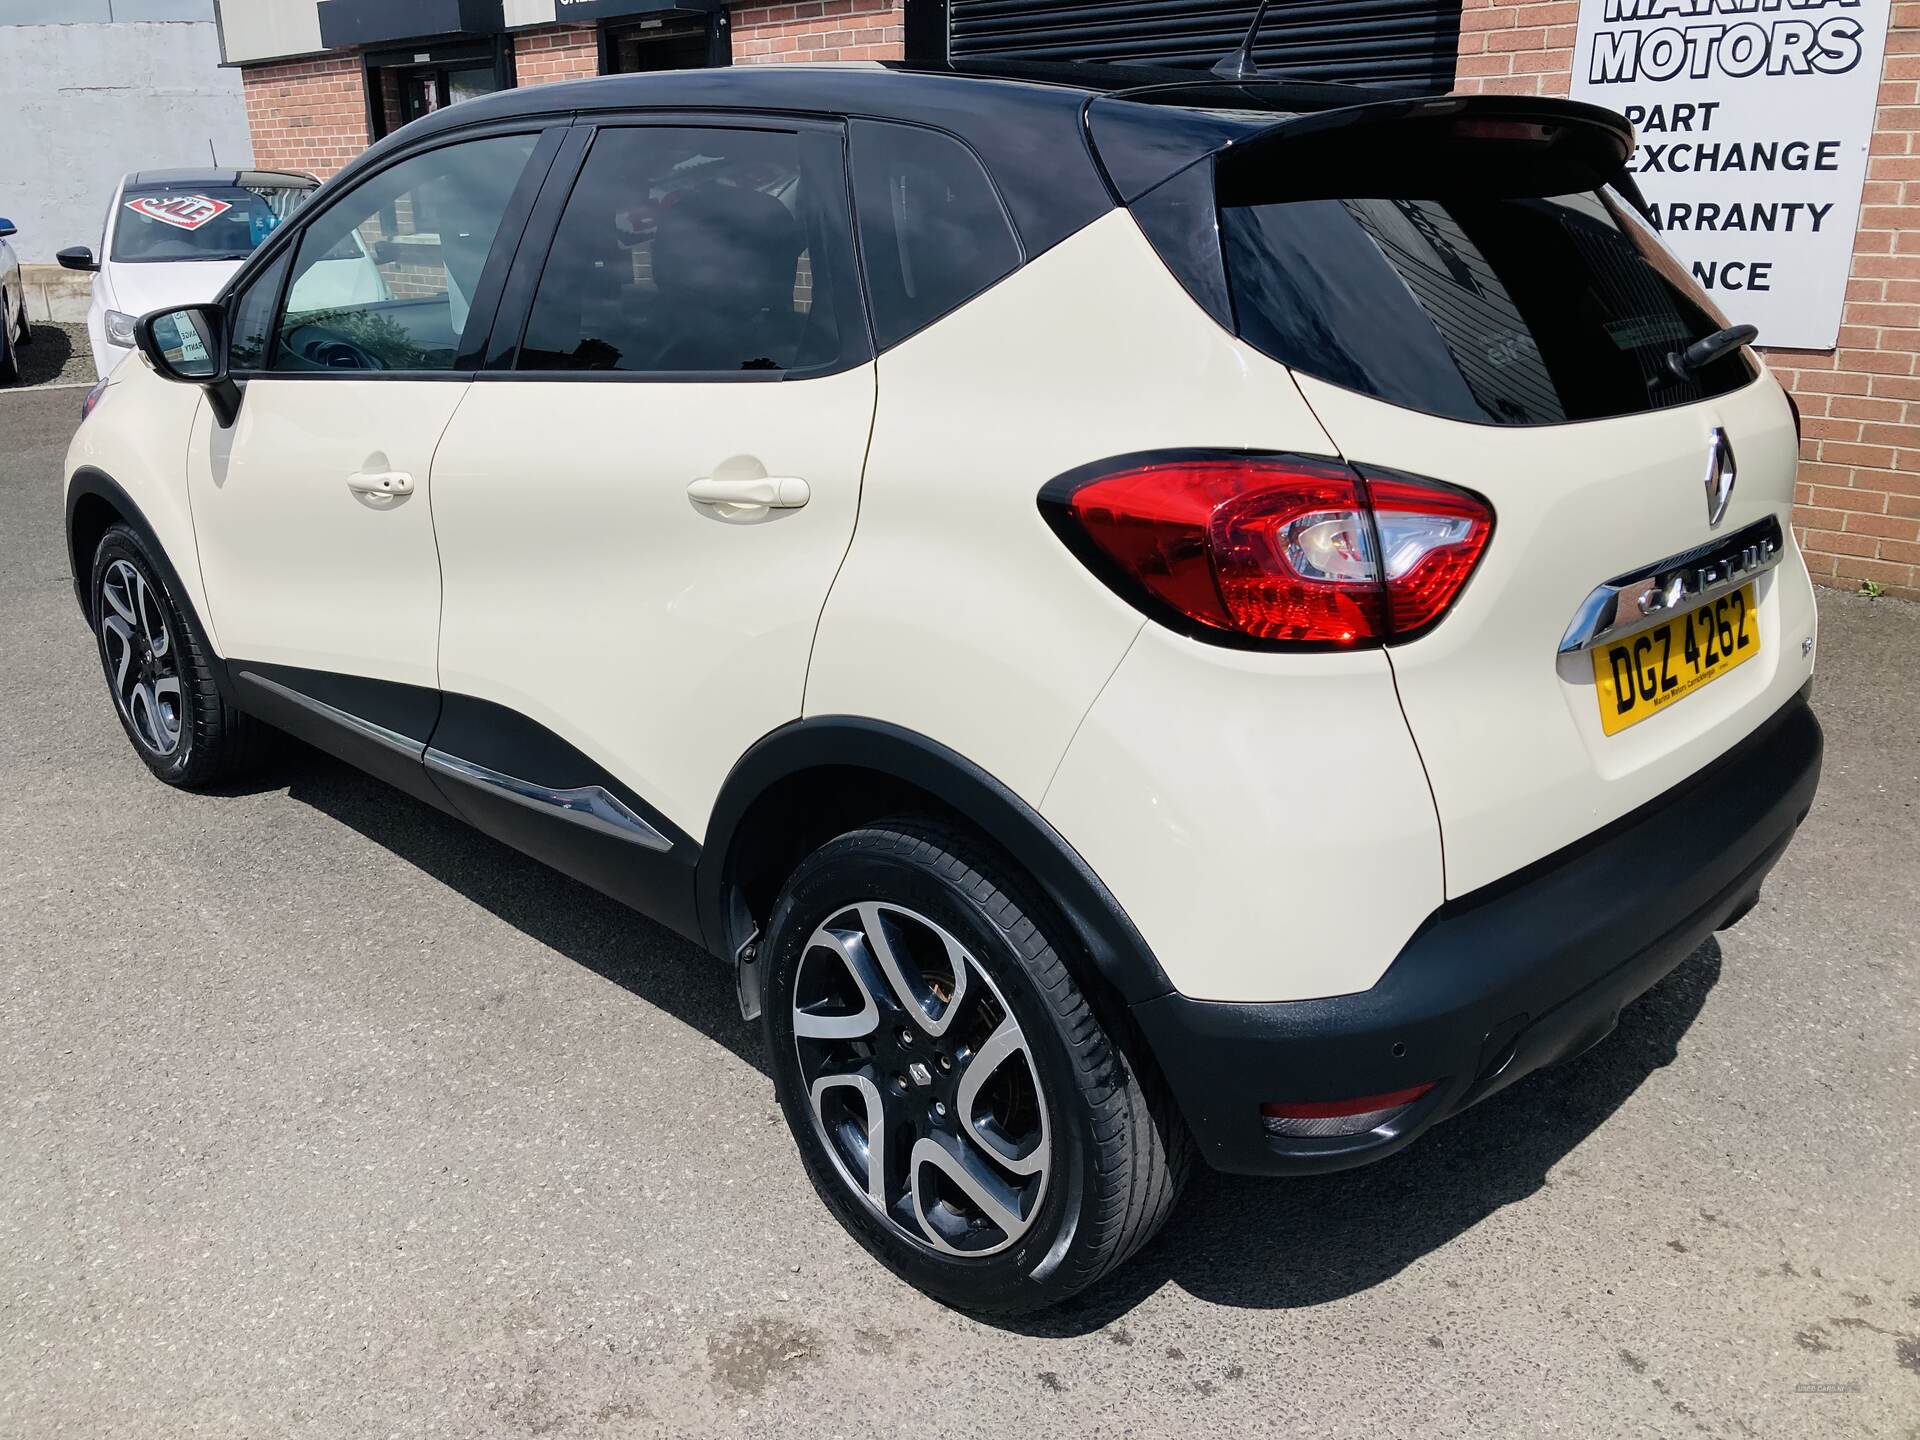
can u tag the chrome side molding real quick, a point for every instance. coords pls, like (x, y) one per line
(1630, 603)
(590, 806)
(379, 734)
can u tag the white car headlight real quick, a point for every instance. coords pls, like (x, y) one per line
(120, 327)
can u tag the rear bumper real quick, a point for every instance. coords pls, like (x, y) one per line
(1518, 975)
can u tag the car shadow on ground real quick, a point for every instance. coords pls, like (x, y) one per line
(587, 927)
(1290, 1244)
(46, 357)
(1238, 1241)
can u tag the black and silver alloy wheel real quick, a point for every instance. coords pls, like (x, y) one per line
(921, 1082)
(159, 667)
(976, 1119)
(143, 663)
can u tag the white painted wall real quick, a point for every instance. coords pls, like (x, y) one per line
(86, 103)
(260, 30)
(269, 29)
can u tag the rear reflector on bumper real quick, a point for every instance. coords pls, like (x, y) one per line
(1338, 1117)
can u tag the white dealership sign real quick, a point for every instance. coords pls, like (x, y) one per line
(1754, 118)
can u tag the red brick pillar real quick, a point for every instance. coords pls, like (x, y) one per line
(819, 30)
(558, 52)
(307, 115)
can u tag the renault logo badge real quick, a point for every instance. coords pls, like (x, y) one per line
(1720, 476)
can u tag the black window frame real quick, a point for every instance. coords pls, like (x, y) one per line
(550, 133)
(542, 228)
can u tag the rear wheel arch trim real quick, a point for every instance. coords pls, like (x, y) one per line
(1103, 932)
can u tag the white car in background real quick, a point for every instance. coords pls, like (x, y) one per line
(14, 330)
(173, 237)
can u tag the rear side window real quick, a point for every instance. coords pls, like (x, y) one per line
(697, 250)
(1498, 310)
(932, 230)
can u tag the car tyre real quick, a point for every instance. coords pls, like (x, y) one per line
(158, 671)
(9, 358)
(902, 958)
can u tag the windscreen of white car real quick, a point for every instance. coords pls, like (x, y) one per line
(157, 223)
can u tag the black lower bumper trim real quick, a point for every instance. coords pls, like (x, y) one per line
(1520, 974)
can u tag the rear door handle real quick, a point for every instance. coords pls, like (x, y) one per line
(771, 492)
(380, 482)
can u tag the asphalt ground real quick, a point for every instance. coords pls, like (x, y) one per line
(323, 1116)
(57, 357)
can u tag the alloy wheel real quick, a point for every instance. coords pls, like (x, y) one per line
(143, 663)
(920, 1079)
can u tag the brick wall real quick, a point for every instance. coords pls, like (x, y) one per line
(1516, 49)
(819, 30)
(306, 114)
(1858, 512)
(563, 52)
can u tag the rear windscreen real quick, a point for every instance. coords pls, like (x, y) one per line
(1498, 310)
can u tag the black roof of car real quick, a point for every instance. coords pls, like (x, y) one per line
(1026, 122)
(899, 92)
(1036, 127)
(203, 175)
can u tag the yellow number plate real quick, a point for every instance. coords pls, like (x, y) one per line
(1643, 674)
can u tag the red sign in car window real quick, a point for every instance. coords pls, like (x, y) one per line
(183, 212)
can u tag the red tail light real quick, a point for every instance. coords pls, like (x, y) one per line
(1278, 550)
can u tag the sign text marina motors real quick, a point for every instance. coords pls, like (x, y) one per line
(1754, 119)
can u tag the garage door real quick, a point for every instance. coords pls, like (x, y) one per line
(1406, 45)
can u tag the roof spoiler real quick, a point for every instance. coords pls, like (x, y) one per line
(1549, 146)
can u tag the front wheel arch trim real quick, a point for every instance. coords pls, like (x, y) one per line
(1115, 949)
(96, 485)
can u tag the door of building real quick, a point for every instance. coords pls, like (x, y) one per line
(406, 84)
(665, 42)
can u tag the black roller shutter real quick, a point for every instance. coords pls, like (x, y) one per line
(1402, 45)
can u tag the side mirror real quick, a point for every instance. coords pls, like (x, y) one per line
(189, 345)
(77, 257)
(7, 227)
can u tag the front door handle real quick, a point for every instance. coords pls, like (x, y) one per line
(380, 482)
(770, 492)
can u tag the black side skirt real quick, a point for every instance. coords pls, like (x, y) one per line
(495, 768)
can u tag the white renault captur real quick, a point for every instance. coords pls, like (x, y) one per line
(1142, 616)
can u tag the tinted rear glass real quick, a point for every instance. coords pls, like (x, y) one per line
(1506, 311)
(932, 230)
(199, 222)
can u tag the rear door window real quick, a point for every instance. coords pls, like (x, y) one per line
(697, 250)
(933, 233)
(1498, 310)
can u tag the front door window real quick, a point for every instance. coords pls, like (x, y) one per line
(384, 279)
